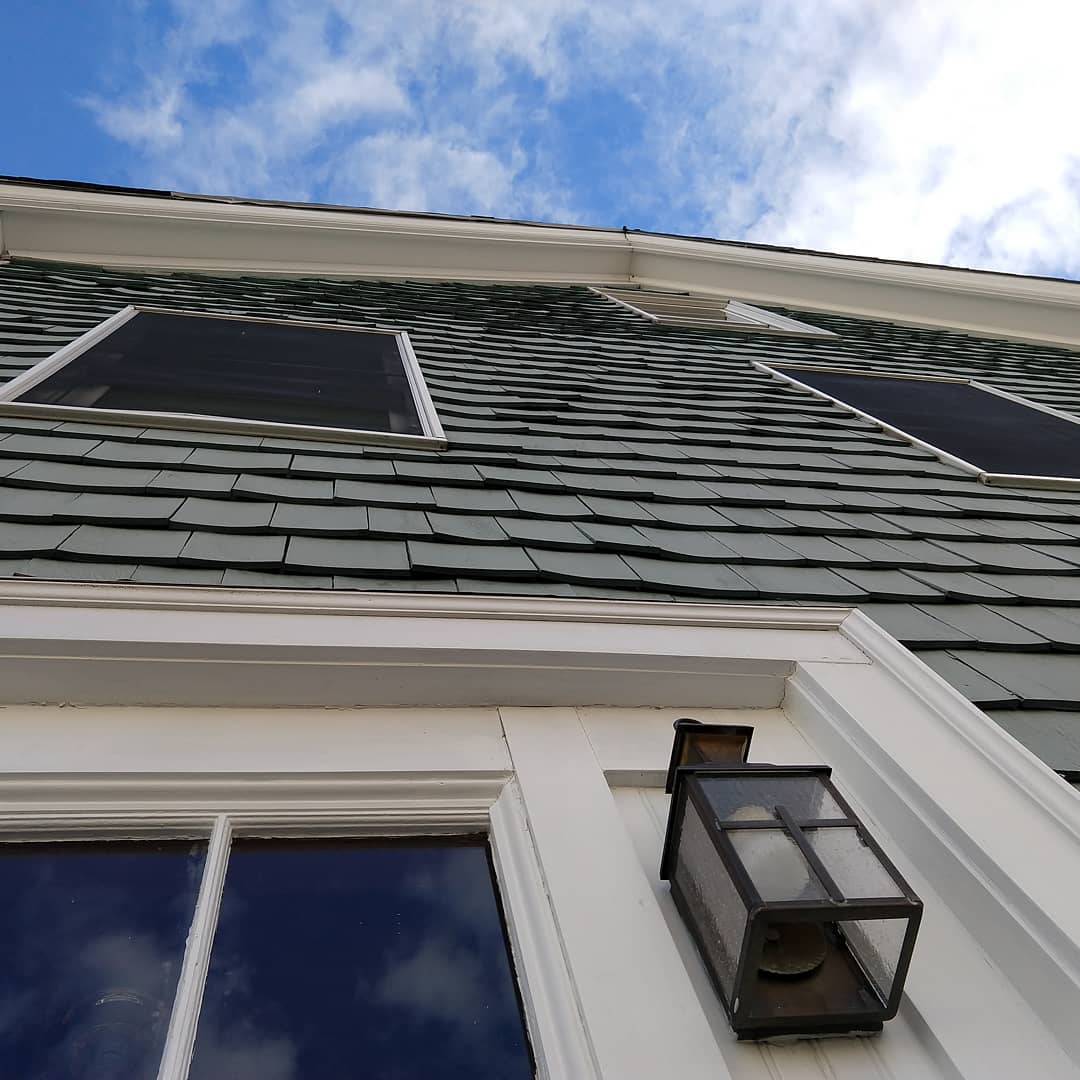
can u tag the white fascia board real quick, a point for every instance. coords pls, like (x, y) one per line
(992, 305)
(218, 237)
(120, 230)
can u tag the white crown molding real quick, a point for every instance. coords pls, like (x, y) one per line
(160, 645)
(146, 232)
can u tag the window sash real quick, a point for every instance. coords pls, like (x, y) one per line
(294, 807)
(433, 436)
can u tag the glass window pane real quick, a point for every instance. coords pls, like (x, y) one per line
(358, 958)
(987, 430)
(248, 370)
(92, 938)
(755, 798)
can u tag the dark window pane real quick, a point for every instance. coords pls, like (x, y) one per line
(986, 430)
(247, 370)
(383, 959)
(91, 940)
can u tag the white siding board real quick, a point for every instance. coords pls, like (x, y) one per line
(43, 739)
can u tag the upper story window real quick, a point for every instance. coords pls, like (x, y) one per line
(684, 308)
(225, 372)
(1003, 438)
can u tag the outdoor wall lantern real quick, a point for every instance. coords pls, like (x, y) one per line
(804, 925)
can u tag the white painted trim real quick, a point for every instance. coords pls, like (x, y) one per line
(732, 315)
(641, 312)
(163, 598)
(158, 645)
(66, 354)
(137, 231)
(616, 943)
(1000, 845)
(1026, 772)
(994, 831)
(1064, 483)
(434, 437)
(780, 323)
(187, 1003)
(61, 807)
(553, 1009)
(40, 806)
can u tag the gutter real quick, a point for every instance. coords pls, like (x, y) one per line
(140, 230)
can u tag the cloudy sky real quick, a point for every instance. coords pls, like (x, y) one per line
(934, 130)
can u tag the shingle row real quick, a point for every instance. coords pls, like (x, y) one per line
(590, 453)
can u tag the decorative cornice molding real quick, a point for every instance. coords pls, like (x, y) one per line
(14, 591)
(214, 236)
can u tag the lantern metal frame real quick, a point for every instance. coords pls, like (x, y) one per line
(687, 731)
(837, 907)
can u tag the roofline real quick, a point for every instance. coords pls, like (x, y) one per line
(241, 200)
(135, 228)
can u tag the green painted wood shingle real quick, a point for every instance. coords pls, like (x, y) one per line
(591, 453)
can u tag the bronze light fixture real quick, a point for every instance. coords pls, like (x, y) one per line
(805, 926)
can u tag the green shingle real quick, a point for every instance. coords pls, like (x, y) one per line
(630, 460)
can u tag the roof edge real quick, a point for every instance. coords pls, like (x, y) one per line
(130, 228)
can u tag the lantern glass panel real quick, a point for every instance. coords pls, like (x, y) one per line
(776, 866)
(755, 797)
(878, 944)
(713, 904)
(852, 863)
(805, 969)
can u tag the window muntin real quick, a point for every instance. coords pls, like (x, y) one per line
(218, 370)
(296, 1002)
(989, 431)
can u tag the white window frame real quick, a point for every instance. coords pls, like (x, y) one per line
(433, 436)
(67, 808)
(718, 312)
(1065, 483)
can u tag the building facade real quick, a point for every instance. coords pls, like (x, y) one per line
(220, 631)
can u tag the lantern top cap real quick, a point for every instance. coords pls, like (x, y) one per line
(704, 744)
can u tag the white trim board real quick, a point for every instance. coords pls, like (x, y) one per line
(94, 645)
(136, 231)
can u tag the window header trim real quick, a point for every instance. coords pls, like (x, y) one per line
(994, 479)
(433, 438)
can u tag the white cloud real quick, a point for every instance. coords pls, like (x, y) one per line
(426, 172)
(913, 129)
(152, 123)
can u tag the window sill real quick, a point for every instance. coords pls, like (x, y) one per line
(230, 425)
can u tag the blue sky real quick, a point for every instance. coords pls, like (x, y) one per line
(933, 131)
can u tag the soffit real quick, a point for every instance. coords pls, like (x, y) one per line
(142, 230)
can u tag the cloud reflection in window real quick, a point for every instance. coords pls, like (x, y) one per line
(336, 957)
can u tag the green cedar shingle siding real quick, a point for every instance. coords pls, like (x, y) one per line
(591, 453)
